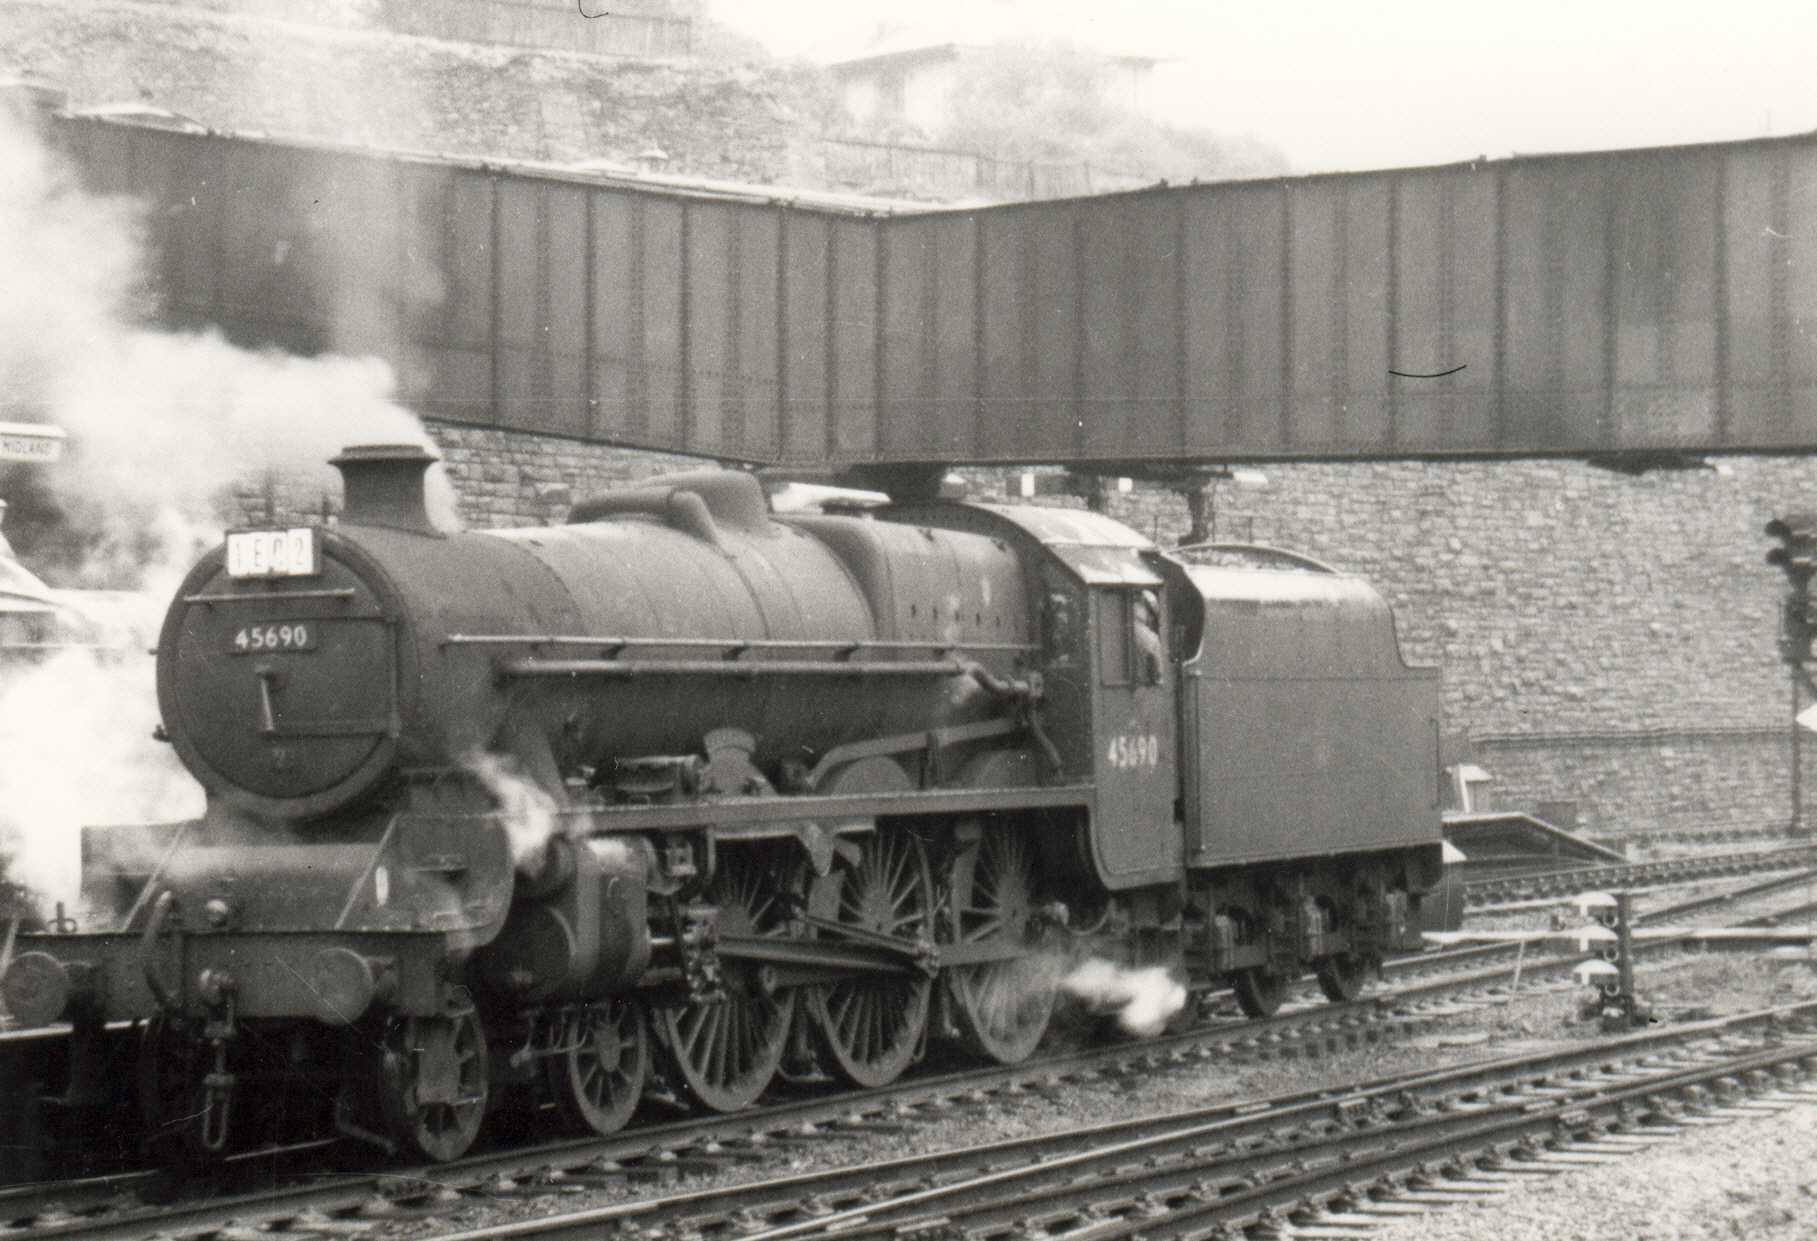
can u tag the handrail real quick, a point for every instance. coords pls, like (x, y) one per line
(726, 668)
(736, 645)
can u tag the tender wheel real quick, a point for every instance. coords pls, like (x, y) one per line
(433, 1084)
(1001, 1008)
(868, 1028)
(1259, 991)
(1341, 978)
(598, 1082)
(724, 1054)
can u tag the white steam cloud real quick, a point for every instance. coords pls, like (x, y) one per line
(528, 812)
(1144, 1000)
(75, 751)
(161, 426)
(532, 817)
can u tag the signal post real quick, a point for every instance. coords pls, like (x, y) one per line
(1796, 557)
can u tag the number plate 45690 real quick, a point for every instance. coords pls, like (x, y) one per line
(275, 636)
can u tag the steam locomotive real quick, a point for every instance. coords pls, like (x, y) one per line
(687, 794)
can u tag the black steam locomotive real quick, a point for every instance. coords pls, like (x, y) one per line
(686, 794)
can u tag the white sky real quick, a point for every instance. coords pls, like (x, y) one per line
(1376, 84)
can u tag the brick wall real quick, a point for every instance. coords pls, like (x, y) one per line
(501, 479)
(506, 478)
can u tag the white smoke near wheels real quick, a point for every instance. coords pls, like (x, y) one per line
(1144, 1000)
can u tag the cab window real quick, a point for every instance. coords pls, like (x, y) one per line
(1113, 638)
(1130, 648)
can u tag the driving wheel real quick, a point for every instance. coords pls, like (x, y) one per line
(1001, 1008)
(724, 1052)
(869, 1027)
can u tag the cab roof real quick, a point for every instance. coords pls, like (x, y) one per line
(1099, 550)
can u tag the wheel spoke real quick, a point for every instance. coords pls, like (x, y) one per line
(983, 926)
(699, 1019)
(722, 1052)
(910, 898)
(897, 865)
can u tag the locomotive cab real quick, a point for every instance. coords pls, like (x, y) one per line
(1137, 831)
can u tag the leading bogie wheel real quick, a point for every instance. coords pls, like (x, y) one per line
(434, 1084)
(724, 1052)
(868, 1028)
(1001, 1008)
(598, 1080)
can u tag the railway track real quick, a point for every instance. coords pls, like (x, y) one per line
(1714, 835)
(1487, 955)
(1423, 992)
(1430, 1136)
(97, 1209)
(1678, 911)
(1542, 885)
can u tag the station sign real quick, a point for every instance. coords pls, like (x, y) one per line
(31, 442)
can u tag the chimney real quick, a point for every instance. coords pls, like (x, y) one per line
(384, 486)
